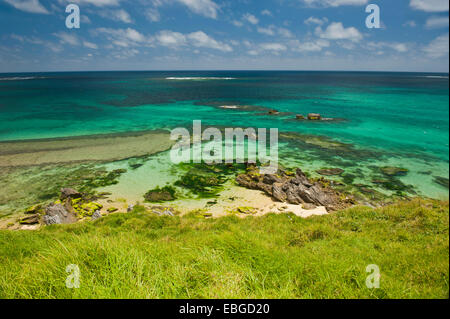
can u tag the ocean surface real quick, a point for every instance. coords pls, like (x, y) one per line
(390, 119)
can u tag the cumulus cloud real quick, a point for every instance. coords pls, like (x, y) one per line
(67, 38)
(152, 14)
(273, 30)
(250, 18)
(90, 45)
(97, 3)
(437, 22)
(336, 31)
(310, 46)
(117, 15)
(396, 46)
(123, 37)
(334, 3)
(197, 39)
(430, 5)
(207, 8)
(437, 48)
(31, 6)
(315, 21)
(170, 38)
(266, 13)
(202, 40)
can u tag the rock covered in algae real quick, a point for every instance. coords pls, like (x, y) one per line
(165, 194)
(30, 220)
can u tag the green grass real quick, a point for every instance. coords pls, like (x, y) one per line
(138, 255)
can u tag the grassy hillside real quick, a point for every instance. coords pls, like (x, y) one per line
(139, 255)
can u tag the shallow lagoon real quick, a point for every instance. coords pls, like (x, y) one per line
(390, 119)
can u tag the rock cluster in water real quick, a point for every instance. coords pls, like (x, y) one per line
(294, 188)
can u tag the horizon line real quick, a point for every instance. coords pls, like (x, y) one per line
(223, 70)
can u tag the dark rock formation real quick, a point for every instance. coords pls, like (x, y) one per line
(165, 194)
(297, 189)
(314, 117)
(441, 181)
(69, 193)
(273, 112)
(300, 117)
(30, 220)
(330, 171)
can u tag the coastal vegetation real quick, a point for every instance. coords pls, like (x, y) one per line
(141, 254)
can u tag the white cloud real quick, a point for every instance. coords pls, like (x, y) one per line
(334, 3)
(430, 5)
(90, 45)
(336, 31)
(250, 18)
(201, 39)
(310, 46)
(437, 22)
(117, 15)
(317, 21)
(66, 38)
(237, 23)
(438, 48)
(123, 37)
(31, 6)
(273, 30)
(170, 38)
(152, 15)
(273, 47)
(207, 8)
(97, 3)
(266, 13)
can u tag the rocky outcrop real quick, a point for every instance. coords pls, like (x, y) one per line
(30, 220)
(58, 214)
(314, 117)
(293, 188)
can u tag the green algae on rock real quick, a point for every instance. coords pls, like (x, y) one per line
(157, 195)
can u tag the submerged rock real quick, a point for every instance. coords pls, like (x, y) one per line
(69, 193)
(297, 189)
(165, 194)
(314, 117)
(330, 171)
(273, 112)
(394, 171)
(441, 181)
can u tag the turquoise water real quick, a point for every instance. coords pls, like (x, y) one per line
(399, 119)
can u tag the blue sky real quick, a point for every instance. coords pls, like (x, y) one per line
(224, 34)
